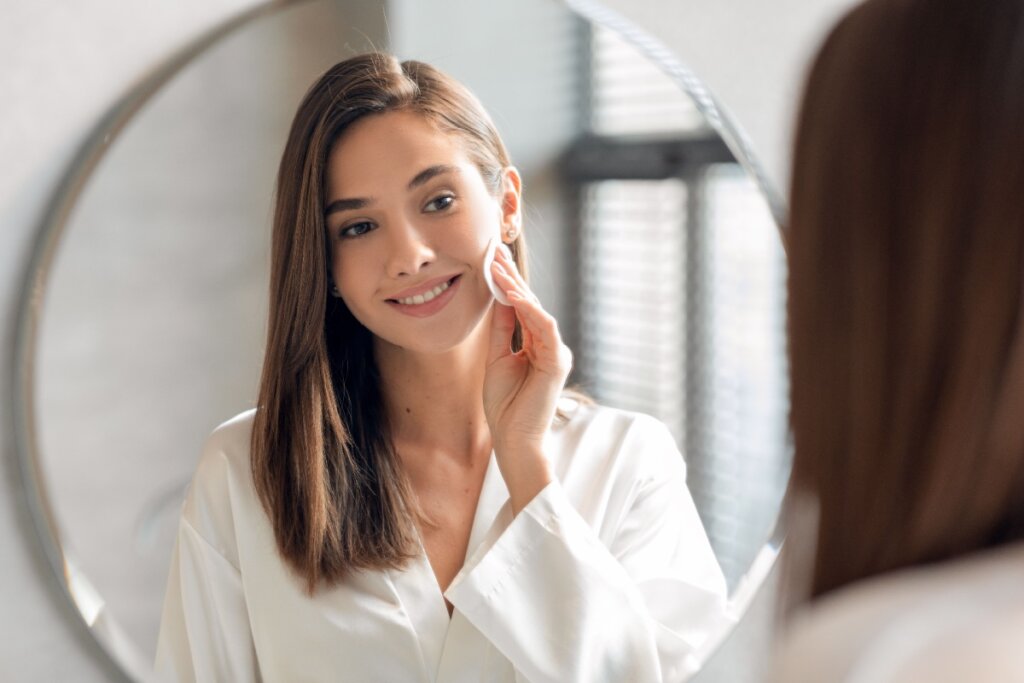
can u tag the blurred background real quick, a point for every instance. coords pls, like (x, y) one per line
(668, 285)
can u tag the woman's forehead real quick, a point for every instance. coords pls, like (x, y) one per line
(398, 134)
(391, 149)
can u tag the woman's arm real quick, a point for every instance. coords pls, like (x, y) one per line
(204, 630)
(556, 601)
(521, 389)
(563, 606)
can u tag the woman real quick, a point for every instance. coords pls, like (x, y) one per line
(414, 499)
(905, 246)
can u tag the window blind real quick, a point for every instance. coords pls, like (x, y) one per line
(682, 303)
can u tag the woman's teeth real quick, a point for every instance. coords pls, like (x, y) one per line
(426, 296)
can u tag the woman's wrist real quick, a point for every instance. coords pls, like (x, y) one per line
(526, 472)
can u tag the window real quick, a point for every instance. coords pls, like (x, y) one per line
(682, 279)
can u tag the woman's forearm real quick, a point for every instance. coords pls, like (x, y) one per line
(526, 472)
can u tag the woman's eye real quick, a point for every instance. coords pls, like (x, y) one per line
(440, 203)
(356, 229)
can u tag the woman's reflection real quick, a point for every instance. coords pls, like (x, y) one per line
(417, 497)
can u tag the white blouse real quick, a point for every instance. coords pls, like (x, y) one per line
(606, 575)
(954, 621)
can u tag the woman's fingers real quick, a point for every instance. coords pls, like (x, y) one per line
(528, 345)
(509, 279)
(503, 322)
(542, 340)
(502, 258)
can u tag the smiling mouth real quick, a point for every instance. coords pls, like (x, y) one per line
(426, 296)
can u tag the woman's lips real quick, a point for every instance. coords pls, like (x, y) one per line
(423, 287)
(431, 307)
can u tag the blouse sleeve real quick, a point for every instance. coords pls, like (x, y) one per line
(562, 606)
(204, 631)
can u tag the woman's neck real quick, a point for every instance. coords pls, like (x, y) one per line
(434, 402)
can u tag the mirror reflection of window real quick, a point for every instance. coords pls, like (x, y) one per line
(673, 240)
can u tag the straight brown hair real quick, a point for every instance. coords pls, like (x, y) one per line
(906, 238)
(322, 458)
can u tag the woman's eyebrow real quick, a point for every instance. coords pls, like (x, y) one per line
(346, 205)
(420, 178)
(431, 172)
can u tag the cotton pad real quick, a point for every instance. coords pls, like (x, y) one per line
(498, 293)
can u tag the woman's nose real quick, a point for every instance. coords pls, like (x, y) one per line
(409, 250)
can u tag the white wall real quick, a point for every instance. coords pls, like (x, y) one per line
(63, 63)
(154, 316)
(752, 56)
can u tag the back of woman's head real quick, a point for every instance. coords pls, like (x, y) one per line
(906, 238)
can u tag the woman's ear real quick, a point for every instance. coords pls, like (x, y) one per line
(511, 204)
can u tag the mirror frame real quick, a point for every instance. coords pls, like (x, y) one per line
(49, 231)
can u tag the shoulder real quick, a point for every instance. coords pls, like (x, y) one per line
(225, 451)
(934, 623)
(636, 442)
(222, 484)
(232, 436)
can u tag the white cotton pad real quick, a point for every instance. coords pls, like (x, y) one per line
(498, 293)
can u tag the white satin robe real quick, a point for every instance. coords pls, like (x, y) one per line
(606, 575)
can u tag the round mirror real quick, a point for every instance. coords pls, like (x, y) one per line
(652, 242)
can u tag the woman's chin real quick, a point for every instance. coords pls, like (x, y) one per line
(439, 339)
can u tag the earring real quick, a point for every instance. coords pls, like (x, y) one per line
(510, 233)
(334, 290)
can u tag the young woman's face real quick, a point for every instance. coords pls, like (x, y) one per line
(409, 219)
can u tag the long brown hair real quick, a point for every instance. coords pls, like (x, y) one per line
(322, 457)
(905, 250)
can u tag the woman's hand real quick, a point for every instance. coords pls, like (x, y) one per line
(521, 389)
